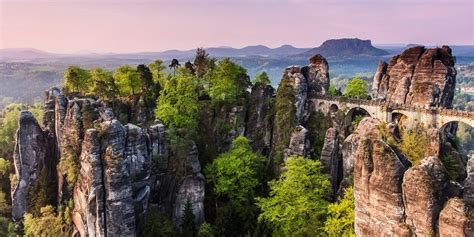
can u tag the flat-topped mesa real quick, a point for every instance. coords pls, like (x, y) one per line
(418, 76)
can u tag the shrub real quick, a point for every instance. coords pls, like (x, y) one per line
(340, 220)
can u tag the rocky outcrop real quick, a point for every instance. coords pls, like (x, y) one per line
(348, 149)
(317, 75)
(259, 122)
(330, 157)
(378, 174)
(455, 219)
(299, 143)
(89, 203)
(424, 193)
(468, 194)
(192, 189)
(29, 160)
(308, 82)
(418, 76)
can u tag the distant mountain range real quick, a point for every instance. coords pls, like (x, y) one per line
(334, 48)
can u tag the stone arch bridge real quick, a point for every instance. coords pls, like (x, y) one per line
(437, 117)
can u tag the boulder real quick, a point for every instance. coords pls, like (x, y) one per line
(424, 193)
(317, 76)
(454, 219)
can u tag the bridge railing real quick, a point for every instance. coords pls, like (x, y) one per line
(398, 106)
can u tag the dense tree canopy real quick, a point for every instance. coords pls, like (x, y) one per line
(128, 80)
(228, 82)
(157, 69)
(357, 88)
(262, 78)
(298, 200)
(236, 174)
(178, 103)
(76, 79)
(103, 84)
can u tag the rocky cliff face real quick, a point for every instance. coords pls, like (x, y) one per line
(112, 188)
(394, 199)
(418, 76)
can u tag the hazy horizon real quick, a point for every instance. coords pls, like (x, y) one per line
(112, 26)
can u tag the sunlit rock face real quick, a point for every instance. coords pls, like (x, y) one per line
(29, 160)
(378, 175)
(418, 76)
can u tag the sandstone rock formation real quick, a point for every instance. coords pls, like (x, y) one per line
(378, 174)
(191, 189)
(299, 143)
(259, 123)
(454, 219)
(29, 160)
(424, 193)
(330, 157)
(418, 76)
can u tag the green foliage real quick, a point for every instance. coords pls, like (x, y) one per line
(285, 120)
(236, 174)
(188, 226)
(357, 88)
(201, 62)
(76, 79)
(128, 80)
(357, 120)
(69, 165)
(4, 167)
(157, 224)
(157, 69)
(48, 223)
(228, 82)
(317, 126)
(205, 230)
(340, 220)
(261, 78)
(414, 143)
(103, 84)
(452, 166)
(297, 204)
(333, 91)
(178, 103)
(9, 124)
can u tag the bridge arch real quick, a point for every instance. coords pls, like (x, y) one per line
(401, 118)
(333, 108)
(460, 134)
(354, 116)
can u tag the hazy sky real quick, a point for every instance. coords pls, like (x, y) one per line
(153, 25)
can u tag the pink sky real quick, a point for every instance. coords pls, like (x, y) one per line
(66, 26)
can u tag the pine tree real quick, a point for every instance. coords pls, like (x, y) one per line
(188, 226)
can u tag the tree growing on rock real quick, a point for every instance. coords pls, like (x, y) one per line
(262, 79)
(76, 79)
(103, 84)
(228, 82)
(128, 80)
(298, 200)
(188, 225)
